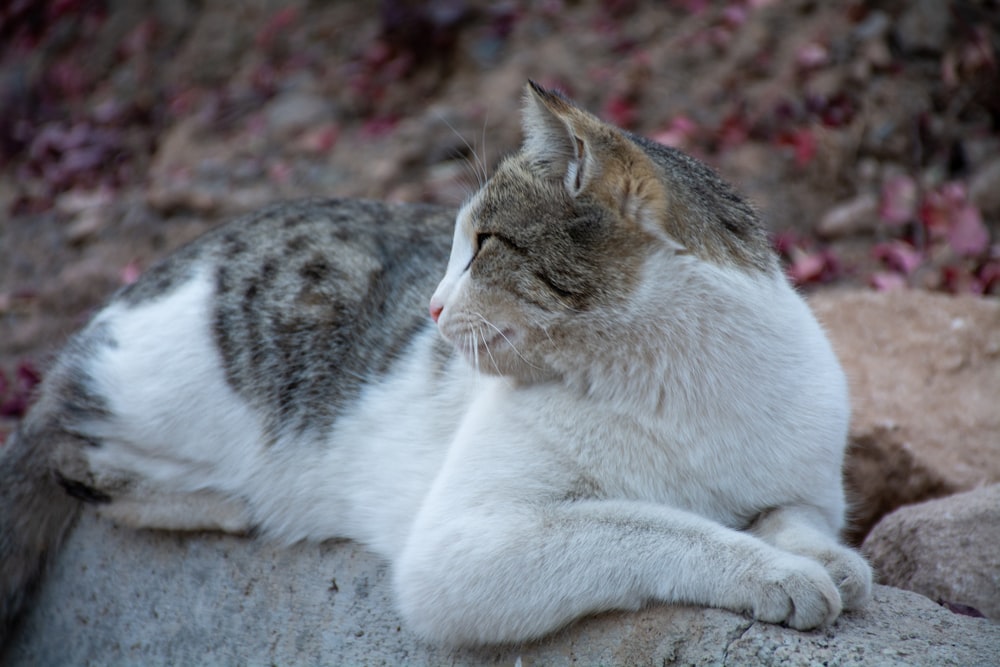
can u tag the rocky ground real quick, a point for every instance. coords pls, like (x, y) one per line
(867, 132)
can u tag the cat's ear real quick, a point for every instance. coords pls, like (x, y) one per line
(590, 156)
(559, 137)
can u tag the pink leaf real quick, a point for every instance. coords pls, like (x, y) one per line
(678, 133)
(812, 56)
(899, 256)
(130, 273)
(967, 235)
(803, 143)
(938, 207)
(899, 200)
(887, 281)
(812, 267)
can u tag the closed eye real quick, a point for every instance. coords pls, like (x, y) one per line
(481, 239)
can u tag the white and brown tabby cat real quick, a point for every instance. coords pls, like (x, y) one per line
(654, 415)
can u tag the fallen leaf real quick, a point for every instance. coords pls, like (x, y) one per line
(898, 204)
(967, 235)
(803, 144)
(807, 267)
(130, 273)
(812, 56)
(887, 281)
(678, 133)
(899, 256)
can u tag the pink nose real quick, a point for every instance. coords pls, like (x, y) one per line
(436, 308)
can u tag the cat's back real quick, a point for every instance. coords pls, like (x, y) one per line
(325, 241)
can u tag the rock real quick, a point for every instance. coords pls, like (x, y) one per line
(854, 216)
(924, 371)
(946, 549)
(117, 596)
(292, 112)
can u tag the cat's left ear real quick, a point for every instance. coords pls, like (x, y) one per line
(559, 137)
(590, 156)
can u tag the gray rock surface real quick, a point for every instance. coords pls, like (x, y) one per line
(946, 549)
(116, 597)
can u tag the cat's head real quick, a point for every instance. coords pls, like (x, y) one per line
(563, 250)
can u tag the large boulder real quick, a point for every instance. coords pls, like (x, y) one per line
(924, 371)
(947, 549)
(117, 596)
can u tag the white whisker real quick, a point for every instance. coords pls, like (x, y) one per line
(475, 350)
(490, 353)
(484, 161)
(548, 335)
(475, 164)
(509, 342)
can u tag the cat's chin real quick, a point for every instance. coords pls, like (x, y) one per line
(498, 354)
(506, 362)
(489, 354)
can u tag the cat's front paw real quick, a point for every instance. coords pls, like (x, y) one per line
(851, 574)
(798, 592)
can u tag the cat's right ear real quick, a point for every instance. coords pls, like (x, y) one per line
(556, 137)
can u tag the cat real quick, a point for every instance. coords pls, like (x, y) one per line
(615, 399)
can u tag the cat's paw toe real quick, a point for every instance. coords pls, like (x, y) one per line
(851, 574)
(800, 594)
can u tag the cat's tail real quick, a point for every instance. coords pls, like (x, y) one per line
(36, 513)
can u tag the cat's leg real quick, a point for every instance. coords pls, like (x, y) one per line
(148, 427)
(200, 510)
(506, 571)
(800, 530)
(129, 498)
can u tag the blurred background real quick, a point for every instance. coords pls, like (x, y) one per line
(866, 132)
